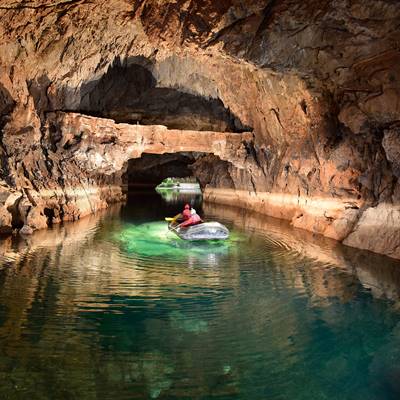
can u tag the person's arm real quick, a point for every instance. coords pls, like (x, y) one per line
(178, 216)
(184, 224)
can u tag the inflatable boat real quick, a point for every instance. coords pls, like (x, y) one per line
(202, 231)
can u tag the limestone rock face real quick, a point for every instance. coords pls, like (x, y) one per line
(378, 227)
(311, 91)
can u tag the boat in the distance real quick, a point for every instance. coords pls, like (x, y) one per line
(203, 231)
(178, 184)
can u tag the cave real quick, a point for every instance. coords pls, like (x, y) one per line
(286, 113)
(316, 121)
(151, 169)
(314, 107)
(142, 176)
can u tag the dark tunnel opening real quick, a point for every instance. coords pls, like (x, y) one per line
(151, 169)
(143, 174)
(50, 215)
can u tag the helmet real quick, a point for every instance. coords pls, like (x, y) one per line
(187, 207)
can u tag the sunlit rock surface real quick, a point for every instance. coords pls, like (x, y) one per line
(318, 87)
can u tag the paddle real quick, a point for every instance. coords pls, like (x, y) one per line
(170, 219)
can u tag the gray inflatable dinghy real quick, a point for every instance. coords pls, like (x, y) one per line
(203, 231)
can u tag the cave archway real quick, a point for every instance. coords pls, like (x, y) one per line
(143, 174)
(129, 93)
(151, 169)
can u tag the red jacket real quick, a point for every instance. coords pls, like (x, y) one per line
(193, 220)
(186, 214)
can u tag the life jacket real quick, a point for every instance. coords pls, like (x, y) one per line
(186, 214)
(193, 220)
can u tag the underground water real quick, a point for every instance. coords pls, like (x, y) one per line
(116, 306)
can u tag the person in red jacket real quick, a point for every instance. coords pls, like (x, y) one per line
(186, 214)
(193, 220)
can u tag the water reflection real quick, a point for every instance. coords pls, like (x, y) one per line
(345, 266)
(113, 306)
(193, 196)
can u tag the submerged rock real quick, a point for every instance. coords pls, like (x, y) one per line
(26, 230)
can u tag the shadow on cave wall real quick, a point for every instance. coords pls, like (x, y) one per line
(7, 104)
(128, 93)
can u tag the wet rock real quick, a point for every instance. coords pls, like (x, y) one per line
(353, 118)
(36, 219)
(26, 230)
(5, 220)
(378, 230)
(391, 145)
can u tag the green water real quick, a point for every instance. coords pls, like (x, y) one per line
(117, 307)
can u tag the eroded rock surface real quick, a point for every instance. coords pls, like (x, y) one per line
(318, 85)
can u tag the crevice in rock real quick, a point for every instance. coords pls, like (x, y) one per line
(267, 15)
(24, 5)
(303, 105)
(50, 215)
(7, 105)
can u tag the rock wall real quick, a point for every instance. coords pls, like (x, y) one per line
(318, 84)
(77, 169)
